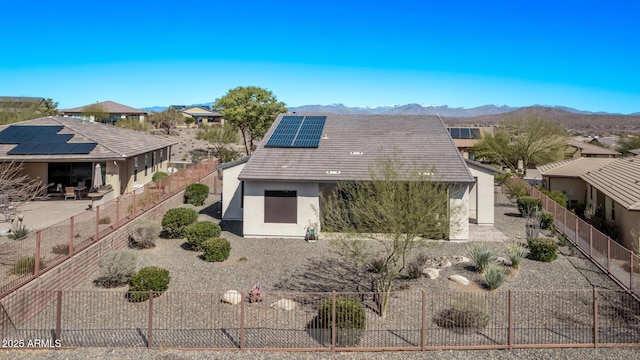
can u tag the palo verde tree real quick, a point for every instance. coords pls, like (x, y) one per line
(95, 112)
(17, 109)
(384, 219)
(250, 109)
(167, 120)
(220, 137)
(529, 138)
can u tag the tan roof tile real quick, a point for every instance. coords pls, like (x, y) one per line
(573, 167)
(620, 180)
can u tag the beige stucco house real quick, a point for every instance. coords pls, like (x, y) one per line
(276, 192)
(201, 115)
(114, 110)
(615, 188)
(63, 150)
(576, 148)
(565, 176)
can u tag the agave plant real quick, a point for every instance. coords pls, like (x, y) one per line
(516, 253)
(482, 255)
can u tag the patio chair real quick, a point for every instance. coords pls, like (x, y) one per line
(69, 192)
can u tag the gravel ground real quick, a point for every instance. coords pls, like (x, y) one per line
(294, 265)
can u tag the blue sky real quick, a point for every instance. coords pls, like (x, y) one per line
(581, 54)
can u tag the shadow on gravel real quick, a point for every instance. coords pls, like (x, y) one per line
(234, 227)
(325, 275)
(214, 210)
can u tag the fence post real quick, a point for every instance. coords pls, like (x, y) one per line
(591, 241)
(150, 332)
(631, 269)
(118, 212)
(58, 313)
(71, 236)
(423, 333)
(510, 320)
(564, 217)
(241, 320)
(608, 254)
(97, 222)
(333, 322)
(575, 241)
(595, 317)
(36, 270)
(133, 216)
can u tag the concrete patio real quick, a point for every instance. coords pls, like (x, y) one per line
(41, 214)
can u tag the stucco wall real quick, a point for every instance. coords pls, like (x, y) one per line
(482, 197)
(231, 193)
(628, 224)
(36, 170)
(459, 212)
(253, 212)
(142, 178)
(575, 189)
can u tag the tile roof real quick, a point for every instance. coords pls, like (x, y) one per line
(230, 164)
(619, 180)
(109, 106)
(573, 167)
(114, 143)
(590, 149)
(198, 111)
(351, 144)
(484, 166)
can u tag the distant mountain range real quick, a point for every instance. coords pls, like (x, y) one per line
(414, 109)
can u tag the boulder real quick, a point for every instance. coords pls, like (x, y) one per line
(431, 273)
(459, 279)
(284, 304)
(502, 261)
(232, 297)
(461, 259)
(445, 264)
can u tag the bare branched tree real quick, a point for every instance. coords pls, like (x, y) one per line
(16, 188)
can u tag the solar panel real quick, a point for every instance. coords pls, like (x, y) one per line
(16, 134)
(464, 133)
(310, 132)
(475, 134)
(285, 132)
(52, 148)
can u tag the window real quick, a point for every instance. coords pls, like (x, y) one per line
(153, 162)
(135, 168)
(146, 163)
(280, 206)
(613, 210)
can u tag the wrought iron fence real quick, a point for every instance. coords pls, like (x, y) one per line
(322, 322)
(59, 242)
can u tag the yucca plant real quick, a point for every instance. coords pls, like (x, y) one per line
(482, 255)
(495, 276)
(516, 253)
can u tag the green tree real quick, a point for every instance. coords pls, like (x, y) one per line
(378, 223)
(529, 138)
(189, 120)
(626, 143)
(252, 110)
(133, 124)
(14, 110)
(167, 120)
(95, 112)
(219, 137)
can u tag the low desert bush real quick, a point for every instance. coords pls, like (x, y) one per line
(495, 275)
(557, 196)
(516, 253)
(144, 234)
(416, 264)
(515, 188)
(159, 175)
(467, 311)
(216, 249)
(104, 220)
(175, 221)
(543, 249)
(350, 319)
(482, 255)
(116, 268)
(200, 231)
(376, 265)
(528, 204)
(151, 278)
(18, 232)
(196, 194)
(26, 265)
(546, 220)
(60, 249)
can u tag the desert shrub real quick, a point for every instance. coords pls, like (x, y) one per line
(216, 249)
(26, 265)
(546, 220)
(144, 234)
(18, 232)
(350, 318)
(416, 264)
(557, 196)
(196, 194)
(175, 221)
(200, 231)
(104, 220)
(528, 204)
(482, 255)
(377, 264)
(515, 188)
(501, 178)
(151, 278)
(159, 175)
(542, 249)
(116, 268)
(226, 155)
(467, 311)
(495, 276)
(516, 253)
(60, 249)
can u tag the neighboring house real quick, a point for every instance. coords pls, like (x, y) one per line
(615, 190)
(577, 148)
(565, 176)
(277, 191)
(201, 115)
(114, 110)
(467, 137)
(61, 150)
